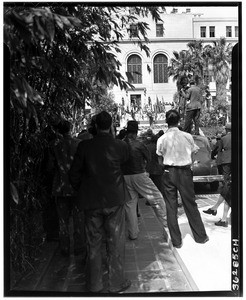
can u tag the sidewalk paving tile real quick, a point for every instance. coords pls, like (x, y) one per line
(150, 262)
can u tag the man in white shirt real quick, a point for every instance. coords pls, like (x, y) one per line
(175, 149)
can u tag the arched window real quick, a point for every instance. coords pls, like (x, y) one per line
(134, 69)
(160, 69)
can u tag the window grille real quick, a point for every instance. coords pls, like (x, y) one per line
(228, 31)
(160, 69)
(203, 31)
(159, 30)
(211, 31)
(134, 67)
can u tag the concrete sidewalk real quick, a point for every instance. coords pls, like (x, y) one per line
(152, 265)
(208, 264)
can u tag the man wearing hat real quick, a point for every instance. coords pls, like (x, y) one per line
(193, 108)
(138, 182)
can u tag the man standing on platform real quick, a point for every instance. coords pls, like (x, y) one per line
(193, 107)
(175, 149)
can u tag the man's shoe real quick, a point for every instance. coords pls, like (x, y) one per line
(204, 241)
(178, 246)
(210, 212)
(124, 287)
(221, 223)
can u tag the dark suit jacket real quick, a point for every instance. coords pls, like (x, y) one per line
(96, 172)
(194, 95)
(225, 148)
(139, 155)
(217, 151)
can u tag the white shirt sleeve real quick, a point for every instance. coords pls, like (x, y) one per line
(159, 147)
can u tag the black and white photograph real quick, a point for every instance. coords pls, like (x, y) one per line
(122, 136)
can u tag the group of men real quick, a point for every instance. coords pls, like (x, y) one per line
(108, 175)
(101, 178)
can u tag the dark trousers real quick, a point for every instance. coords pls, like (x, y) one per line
(65, 208)
(108, 222)
(158, 181)
(192, 115)
(180, 179)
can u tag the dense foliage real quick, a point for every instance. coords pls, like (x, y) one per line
(199, 62)
(61, 57)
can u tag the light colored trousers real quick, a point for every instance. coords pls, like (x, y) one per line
(143, 185)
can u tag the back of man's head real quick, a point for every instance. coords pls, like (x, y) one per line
(132, 127)
(172, 117)
(103, 120)
(64, 127)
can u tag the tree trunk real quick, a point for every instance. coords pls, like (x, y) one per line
(221, 94)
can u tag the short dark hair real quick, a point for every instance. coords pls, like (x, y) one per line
(160, 133)
(172, 117)
(64, 127)
(103, 120)
(132, 126)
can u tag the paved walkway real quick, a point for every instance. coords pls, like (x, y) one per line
(152, 265)
(208, 264)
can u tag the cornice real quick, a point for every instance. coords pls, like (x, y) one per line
(177, 40)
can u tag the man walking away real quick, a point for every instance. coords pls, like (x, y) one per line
(193, 108)
(175, 148)
(138, 182)
(96, 175)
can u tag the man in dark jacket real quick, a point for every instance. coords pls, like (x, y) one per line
(225, 157)
(217, 154)
(138, 182)
(193, 108)
(153, 167)
(96, 175)
(225, 148)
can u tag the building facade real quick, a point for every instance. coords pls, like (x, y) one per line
(150, 78)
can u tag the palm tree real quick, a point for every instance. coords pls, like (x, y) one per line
(220, 58)
(196, 51)
(180, 67)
